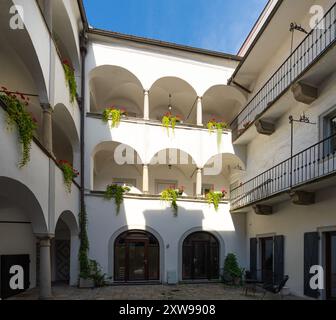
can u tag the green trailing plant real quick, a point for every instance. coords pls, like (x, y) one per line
(171, 195)
(116, 192)
(70, 79)
(169, 120)
(69, 173)
(18, 116)
(215, 197)
(84, 265)
(114, 115)
(232, 272)
(213, 125)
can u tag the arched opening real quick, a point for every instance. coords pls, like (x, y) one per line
(21, 219)
(65, 136)
(174, 95)
(118, 87)
(200, 257)
(222, 103)
(136, 257)
(64, 249)
(172, 168)
(116, 163)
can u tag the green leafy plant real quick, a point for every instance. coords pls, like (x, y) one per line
(116, 192)
(96, 274)
(214, 197)
(84, 265)
(114, 115)
(70, 79)
(232, 272)
(171, 195)
(18, 116)
(213, 125)
(168, 120)
(69, 173)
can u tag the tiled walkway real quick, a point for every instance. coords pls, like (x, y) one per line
(215, 291)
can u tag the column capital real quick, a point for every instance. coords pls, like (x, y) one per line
(43, 237)
(46, 107)
(146, 91)
(199, 97)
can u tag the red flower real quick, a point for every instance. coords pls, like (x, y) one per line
(4, 88)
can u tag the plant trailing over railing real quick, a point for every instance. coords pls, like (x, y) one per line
(169, 120)
(70, 79)
(84, 264)
(171, 195)
(113, 114)
(25, 123)
(213, 125)
(215, 197)
(117, 192)
(69, 173)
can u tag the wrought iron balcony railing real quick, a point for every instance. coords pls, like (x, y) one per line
(315, 44)
(313, 163)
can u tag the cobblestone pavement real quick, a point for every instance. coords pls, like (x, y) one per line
(216, 291)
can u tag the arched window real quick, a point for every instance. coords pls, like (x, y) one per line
(136, 257)
(200, 257)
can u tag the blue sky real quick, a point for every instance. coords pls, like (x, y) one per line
(220, 25)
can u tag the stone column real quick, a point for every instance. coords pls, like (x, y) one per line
(47, 127)
(199, 112)
(199, 183)
(145, 180)
(146, 104)
(45, 269)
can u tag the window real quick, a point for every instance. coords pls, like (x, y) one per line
(127, 182)
(206, 188)
(329, 131)
(161, 185)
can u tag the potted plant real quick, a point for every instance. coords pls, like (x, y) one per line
(233, 274)
(69, 173)
(94, 276)
(180, 191)
(70, 79)
(19, 117)
(169, 120)
(170, 195)
(214, 197)
(116, 192)
(114, 115)
(219, 126)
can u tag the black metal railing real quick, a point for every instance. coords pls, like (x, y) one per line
(308, 52)
(306, 166)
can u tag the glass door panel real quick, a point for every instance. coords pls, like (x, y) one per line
(136, 261)
(200, 260)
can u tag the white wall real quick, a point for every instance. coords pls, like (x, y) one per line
(157, 217)
(293, 221)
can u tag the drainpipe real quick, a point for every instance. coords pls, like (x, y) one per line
(83, 50)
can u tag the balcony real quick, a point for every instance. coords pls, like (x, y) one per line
(300, 64)
(309, 167)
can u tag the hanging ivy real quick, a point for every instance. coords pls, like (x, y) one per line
(69, 173)
(215, 197)
(84, 263)
(168, 120)
(114, 115)
(70, 79)
(213, 125)
(116, 192)
(171, 195)
(18, 116)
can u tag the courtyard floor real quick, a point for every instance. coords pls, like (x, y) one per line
(214, 291)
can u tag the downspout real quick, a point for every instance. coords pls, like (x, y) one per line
(83, 50)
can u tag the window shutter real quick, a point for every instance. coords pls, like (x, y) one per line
(311, 252)
(253, 257)
(279, 265)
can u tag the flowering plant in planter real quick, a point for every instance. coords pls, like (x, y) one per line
(169, 120)
(214, 197)
(116, 192)
(25, 123)
(113, 114)
(69, 173)
(213, 125)
(171, 195)
(70, 78)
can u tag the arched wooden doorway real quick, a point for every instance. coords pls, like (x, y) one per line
(200, 254)
(136, 257)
